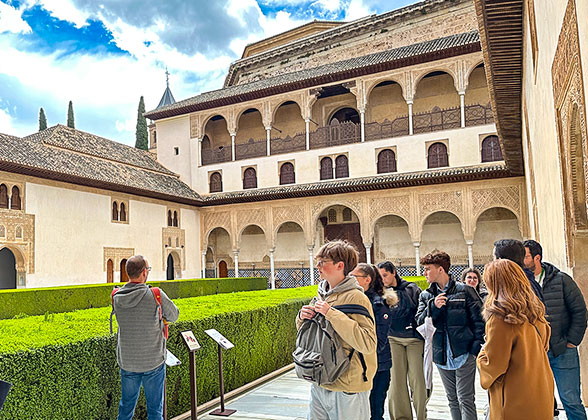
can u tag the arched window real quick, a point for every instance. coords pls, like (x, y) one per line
(491, 149)
(175, 219)
(249, 178)
(346, 115)
(19, 232)
(386, 161)
(326, 168)
(169, 218)
(216, 182)
(123, 212)
(341, 167)
(114, 211)
(109, 271)
(347, 215)
(124, 276)
(177, 242)
(3, 197)
(437, 157)
(287, 175)
(15, 202)
(2, 231)
(168, 241)
(332, 215)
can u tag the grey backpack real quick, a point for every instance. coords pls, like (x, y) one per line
(319, 356)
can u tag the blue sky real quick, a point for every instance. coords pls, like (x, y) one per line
(103, 55)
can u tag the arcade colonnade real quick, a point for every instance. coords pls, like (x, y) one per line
(279, 239)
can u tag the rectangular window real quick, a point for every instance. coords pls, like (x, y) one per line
(176, 151)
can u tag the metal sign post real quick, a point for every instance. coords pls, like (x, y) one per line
(222, 343)
(193, 345)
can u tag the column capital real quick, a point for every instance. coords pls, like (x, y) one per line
(416, 244)
(233, 134)
(461, 93)
(235, 252)
(272, 250)
(409, 101)
(469, 242)
(367, 245)
(268, 127)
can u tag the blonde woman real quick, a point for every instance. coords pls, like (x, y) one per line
(513, 364)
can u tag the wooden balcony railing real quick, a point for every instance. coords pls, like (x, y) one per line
(288, 144)
(251, 149)
(478, 115)
(395, 128)
(221, 154)
(335, 134)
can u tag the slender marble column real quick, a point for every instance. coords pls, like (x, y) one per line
(268, 131)
(410, 126)
(362, 120)
(462, 107)
(368, 253)
(311, 261)
(307, 124)
(203, 264)
(233, 135)
(236, 255)
(417, 256)
(470, 245)
(272, 276)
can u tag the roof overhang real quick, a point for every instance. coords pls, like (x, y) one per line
(500, 25)
(317, 81)
(380, 182)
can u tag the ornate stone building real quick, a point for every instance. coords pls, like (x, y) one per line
(379, 131)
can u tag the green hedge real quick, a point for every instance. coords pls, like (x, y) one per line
(69, 298)
(63, 366)
(421, 281)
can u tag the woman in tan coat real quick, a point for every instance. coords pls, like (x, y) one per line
(513, 364)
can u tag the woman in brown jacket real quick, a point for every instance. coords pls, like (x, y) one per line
(513, 364)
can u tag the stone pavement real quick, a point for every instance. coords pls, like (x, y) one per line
(286, 398)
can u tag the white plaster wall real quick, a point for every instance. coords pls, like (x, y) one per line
(394, 243)
(464, 149)
(72, 228)
(291, 246)
(175, 132)
(488, 232)
(538, 95)
(190, 222)
(252, 249)
(444, 237)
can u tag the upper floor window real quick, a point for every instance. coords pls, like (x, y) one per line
(170, 220)
(437, 156)
(491, 149)
(123, 212)
(15, 202)
(175, 220)
(249, 178)
(326, 168)
(341, 167)
(115, 211)
(332, 215)
(3, 196)
(287, 175)
(347, 215)
(216, 182)
(386, 161)
(205, 143)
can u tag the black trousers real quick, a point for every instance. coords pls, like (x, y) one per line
(378, 394)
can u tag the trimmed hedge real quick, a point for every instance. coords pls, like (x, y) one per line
(63, 366)
(421, 281)
(69, 298)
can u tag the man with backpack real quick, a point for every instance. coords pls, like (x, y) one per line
(342, 302)
(141, 313)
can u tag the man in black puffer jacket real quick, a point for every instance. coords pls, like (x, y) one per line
(566, 313)
(456, 313)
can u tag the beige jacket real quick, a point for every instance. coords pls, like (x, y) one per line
(357, 332)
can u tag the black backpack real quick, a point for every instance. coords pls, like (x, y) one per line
(319, 356)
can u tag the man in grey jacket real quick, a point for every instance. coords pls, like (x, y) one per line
(566, 313)
(140, 349)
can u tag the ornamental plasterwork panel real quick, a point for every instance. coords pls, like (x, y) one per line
(281, 215)
(256, 216)
(450, 201)
(215, 219)
(174, 240)
(195, 126)
(116, 255)
(487, 198)
(397, 206)
(568, 94)
(19, 229)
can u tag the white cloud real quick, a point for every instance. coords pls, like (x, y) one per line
(329, 5)
(357, 9)
(11, 20)
(6, 125)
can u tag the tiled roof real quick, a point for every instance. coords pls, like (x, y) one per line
(91, 144)
(341, 70)
(347, 185)
(73, 162)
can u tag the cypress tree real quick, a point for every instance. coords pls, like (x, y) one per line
(42, 119)
(141, 137)
(70, 116)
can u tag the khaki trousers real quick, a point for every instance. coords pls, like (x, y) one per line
(407, 361)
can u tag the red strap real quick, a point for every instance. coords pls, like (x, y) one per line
(112, 296)
(157, 295)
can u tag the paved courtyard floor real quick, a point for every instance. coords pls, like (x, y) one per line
(286, 398)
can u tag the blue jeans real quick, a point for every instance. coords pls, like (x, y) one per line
(153, 382)
(378, 394)
(566, 371)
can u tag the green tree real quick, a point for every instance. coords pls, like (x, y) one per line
(141, 137)
(70, 116)
(42, 119)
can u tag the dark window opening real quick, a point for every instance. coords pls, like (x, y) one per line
(437, 156)
(386, 161)
(346, 115)
(249, 179)
(287, 175)
(216, 182)
(326, 168)
(491, 149)
(341, 167)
